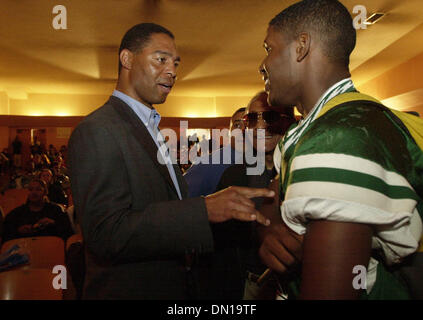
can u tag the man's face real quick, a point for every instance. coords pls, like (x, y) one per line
(278, 69)
(236, 121)
(46, 176)
(153, 71)
(36, 192)
(256, 111)
(237, 138)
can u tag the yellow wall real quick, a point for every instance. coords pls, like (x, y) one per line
(81, 105)
(4, 103)
(403, 82)
(56, 104)
(192, 107)
(201, 107)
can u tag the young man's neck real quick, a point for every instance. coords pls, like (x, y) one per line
(316, 85)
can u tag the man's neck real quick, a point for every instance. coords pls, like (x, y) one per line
(317, 85)
(36, 206)
(130, 92)
(269, 161)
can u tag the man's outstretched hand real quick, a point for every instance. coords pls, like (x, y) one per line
(235, 203)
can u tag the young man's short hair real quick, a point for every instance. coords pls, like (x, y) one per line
(329, 20)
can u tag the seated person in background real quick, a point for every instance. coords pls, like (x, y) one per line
(55, 193)
(5, 161)
(37, 162)
(63, 152)
(36, 217)
(58, 167)
(236, 245)
(202, 178)
(52, 153)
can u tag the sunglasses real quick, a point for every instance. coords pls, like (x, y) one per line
(276, 123)
(238, 124)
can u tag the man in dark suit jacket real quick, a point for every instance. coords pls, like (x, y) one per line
(137, 223)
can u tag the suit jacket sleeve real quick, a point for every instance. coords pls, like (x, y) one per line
(112, 230)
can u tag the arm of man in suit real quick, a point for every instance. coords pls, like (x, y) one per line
(115, 232)
(234, 203)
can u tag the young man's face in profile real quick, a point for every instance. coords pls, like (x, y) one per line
(278, 69)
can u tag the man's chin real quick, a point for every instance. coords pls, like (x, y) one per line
(281, 107)
(160, 100)
(278, 104)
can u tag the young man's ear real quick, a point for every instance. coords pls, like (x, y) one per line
(126, 58)
(303, 46)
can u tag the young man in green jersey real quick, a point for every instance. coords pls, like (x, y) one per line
(349, 181)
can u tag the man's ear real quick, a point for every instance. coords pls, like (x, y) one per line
(303, 46)
(126, 58)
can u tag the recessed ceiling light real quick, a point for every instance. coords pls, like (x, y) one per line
(375, 17)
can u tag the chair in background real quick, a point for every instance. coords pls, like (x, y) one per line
(28, 284)
(75, 238)
(44, 252)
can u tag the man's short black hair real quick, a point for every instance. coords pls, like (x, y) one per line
(327, 19)
(262, 96)
(136, 38)
(238, 111)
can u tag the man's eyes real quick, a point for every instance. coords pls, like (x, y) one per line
(163, 60)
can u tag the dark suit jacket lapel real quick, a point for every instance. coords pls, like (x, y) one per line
(183, 186)
(144, 138)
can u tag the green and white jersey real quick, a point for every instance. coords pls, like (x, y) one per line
(352, 165)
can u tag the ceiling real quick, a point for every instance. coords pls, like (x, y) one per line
(220, 43)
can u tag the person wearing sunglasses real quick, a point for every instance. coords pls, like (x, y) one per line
(232, 270)
(259, 115)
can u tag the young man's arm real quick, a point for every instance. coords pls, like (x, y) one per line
(280, 247)
(330, 252)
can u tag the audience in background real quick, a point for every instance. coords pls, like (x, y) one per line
(59, 167)
(36, 147)
(19, 176)
(17, 152)
(63, 152)
(52, 152)
(38, 161)
(5, 161)
(44, 213)
(55, 194)
(36, 217)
